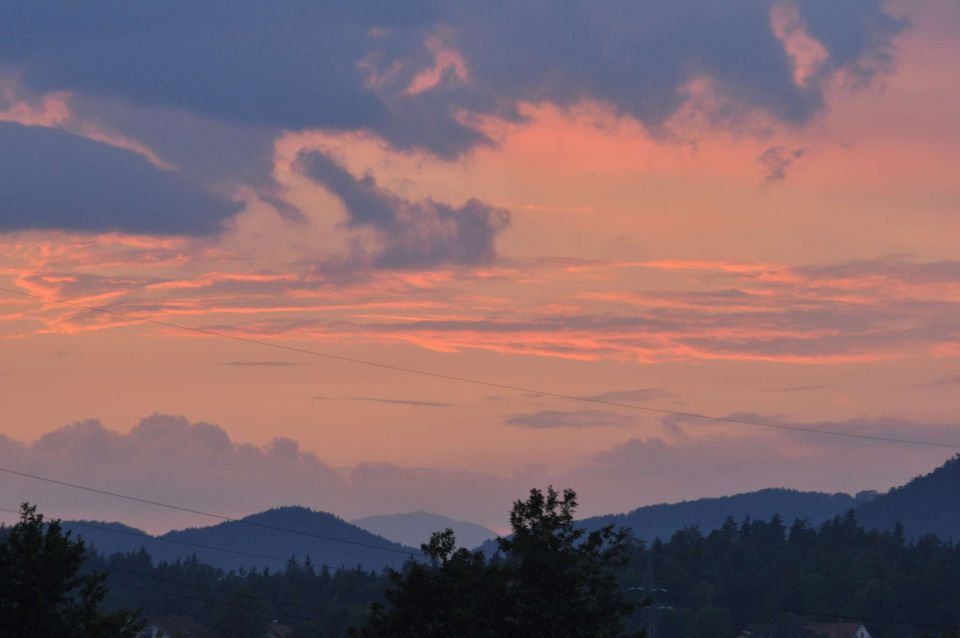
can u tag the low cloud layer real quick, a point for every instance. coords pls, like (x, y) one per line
(197, 465)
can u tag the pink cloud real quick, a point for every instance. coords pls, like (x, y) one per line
(846, 312)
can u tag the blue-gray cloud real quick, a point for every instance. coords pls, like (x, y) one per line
(551, 419)
(208, 87)
(636, 395)
(777, 160)
(410, 402)
(943, 382)
(264, 364)
(414, 233)
(348, 66)
(54, 179)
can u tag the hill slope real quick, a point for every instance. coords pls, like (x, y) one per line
(110, 538)
(661, 521)
(929, 504)
(258, 534)
(415, 528)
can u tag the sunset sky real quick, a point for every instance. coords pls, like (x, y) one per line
(744, 209)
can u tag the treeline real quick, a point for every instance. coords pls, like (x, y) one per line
(776, 579)
(315, 601)
(766, 577)
(763, 575)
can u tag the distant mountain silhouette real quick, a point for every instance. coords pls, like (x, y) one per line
(110, 538)
(257, 534)
(415, 528)
(929, 504)
(661, 521)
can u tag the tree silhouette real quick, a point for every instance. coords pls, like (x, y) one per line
(548, 579)
(562, 579)
(43, 594)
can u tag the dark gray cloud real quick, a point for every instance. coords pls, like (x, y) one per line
(777, 160)
(548, 419)
(54, 179)
(349, 66)
(264, 364)
(638, 394)
(898, 269)
(420, 404)
(413, 233)
(208, 87)
(943, 382)
(588, 418)
(799, 388)
(856, 35)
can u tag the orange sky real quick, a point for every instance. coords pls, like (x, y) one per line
(673, 264)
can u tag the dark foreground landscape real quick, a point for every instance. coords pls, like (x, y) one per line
(779, 563)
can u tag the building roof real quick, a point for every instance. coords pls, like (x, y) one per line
(179, 626)
(276, 630)
(835, 630)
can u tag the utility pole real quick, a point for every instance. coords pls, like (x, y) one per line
(648, 615)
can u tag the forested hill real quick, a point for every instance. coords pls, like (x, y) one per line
(661, 521)
(111, 538)
(257, 536)
(762, 575)
(929, 504)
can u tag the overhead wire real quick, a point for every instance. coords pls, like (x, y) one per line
(221, 517)
(596, 400)
(431, 374)
(147, 538)
(214, 592)
(663, 591)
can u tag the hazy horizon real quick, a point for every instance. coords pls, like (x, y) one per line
(198, 465)
(747, 211)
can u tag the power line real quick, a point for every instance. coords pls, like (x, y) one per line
(161, 539)
(481, 382)
(113, 569)
(227, 519)
(703, 564)
(216, 593)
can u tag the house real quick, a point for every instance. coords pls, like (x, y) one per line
(815, 630)
(172, 627)
(838, 630)
(277, 630)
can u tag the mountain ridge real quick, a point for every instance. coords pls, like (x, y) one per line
(414, 528)
(281, 532)
(927, 504)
